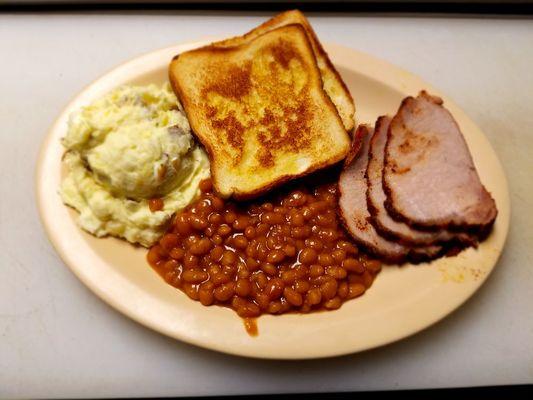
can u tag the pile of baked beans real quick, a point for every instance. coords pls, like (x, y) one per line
(285, 253)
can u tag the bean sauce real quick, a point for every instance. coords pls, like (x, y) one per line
(286, 253)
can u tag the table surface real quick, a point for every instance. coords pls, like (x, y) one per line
(57, 339)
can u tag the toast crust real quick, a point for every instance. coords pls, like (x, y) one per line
(250, 119)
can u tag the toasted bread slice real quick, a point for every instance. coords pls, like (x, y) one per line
(332, 81)
(260, 110)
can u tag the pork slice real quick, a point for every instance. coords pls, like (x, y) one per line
(354, 213)
(429, 177)
(382, 221)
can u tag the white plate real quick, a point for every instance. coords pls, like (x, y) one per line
(401, 302)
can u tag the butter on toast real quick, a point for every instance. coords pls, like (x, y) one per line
(260, 110)
(332, 81)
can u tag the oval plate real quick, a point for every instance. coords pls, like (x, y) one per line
(401, 302)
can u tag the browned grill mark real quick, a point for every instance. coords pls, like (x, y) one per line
(235, 84)
(234, 131)
(283, 52)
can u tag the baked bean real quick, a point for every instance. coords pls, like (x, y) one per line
(314, 244)
(289, 250)
(224, 292)
(367, 278)
(336, 272)
(198, 223)
(262, 229)
(170, 264)
(171, 277)
(191, 290)
(348, 247)
(329, 289)
(240, 242)
(316, 270)
(274, 307)
(317, 207)
(169, 241)
(301, 286)
(275, 256)
(262, 300)
(274, 288)
(289, 276)
(338, 255)
(273, 243)
(215, 218)
(217, 203)
(214, 269)
(269, 268)
(240, 223)
(252, 264)
(228, 258)
(217, 240)
(243, 274)
(220, 278)
(287, 253)
(206, 185)
(300, 232)
(201, 247)
(262, 252)
(154, 255)
(342, 291)
(190, 240)
(194, 276)
(204, 206)
(373, 265)
(190, 260)
(297, 220)
(243, 287)
(177, 253)
(249, 232)
(296, 199)
(206, 295)
(216, 253)
(355, 290)
(249, 310)
(352, 265)
(356, 278)
(301, 271)
(182, 224)
(230, 217)
(261, 279)
(325, 259)
(313, 296)
(224, 230)
(307, 213)
(229, 269)
(333, 304)
(308, 255)
(293, 297)
(328, 234)
(267, 206)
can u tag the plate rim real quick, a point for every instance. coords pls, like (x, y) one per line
(42, 189)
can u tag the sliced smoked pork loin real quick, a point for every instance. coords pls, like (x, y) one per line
(382, 221)
(354, 213)
(429, 176)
